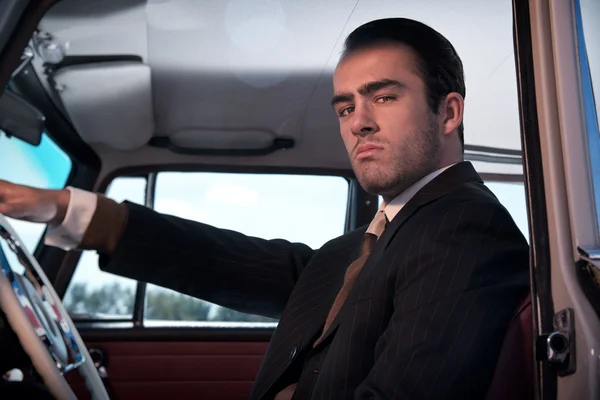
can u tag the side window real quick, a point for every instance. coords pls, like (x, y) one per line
(588, 29)
(261, 205)
(93, 293)
(512, 196)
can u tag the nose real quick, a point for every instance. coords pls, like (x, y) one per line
(363, 121)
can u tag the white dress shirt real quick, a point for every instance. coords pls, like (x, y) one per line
(80, 210)
(82, 206)
(394, 206)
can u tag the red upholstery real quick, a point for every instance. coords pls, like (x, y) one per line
(226, 370)
(178, 370)
(514, 378)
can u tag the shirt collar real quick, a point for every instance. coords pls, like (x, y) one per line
(394, 206)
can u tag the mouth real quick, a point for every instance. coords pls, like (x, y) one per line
(366, 150)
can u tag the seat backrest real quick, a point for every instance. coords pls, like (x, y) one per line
(513, 378)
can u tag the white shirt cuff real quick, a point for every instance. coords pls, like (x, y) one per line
(80, 211)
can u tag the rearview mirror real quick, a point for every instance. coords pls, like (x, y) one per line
(20, 119)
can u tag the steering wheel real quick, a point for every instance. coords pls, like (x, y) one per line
(38, 318)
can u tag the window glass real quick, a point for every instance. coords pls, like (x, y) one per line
(588, 15)
(262, 205)
(93, 293)
(590, 28)
(512, 196)
(45, 166)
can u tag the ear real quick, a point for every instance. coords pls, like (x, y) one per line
(452, 109)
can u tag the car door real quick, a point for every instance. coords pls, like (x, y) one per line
(559, 68)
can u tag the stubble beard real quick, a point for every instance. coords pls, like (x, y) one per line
(419, 157)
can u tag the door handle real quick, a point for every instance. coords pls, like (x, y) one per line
(100, 360)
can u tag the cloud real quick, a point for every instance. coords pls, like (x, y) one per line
(235, 195)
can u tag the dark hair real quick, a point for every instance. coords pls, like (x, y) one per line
(437, 61)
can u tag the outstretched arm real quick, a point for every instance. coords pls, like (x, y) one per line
(225, 267)
(228, 268)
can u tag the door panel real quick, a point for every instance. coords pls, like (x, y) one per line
(564, 125)
(177, 370)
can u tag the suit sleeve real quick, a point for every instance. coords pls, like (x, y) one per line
(458, 284)
(228, 268)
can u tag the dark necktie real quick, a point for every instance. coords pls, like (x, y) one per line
(369, 239)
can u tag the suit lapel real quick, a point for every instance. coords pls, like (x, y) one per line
(444, 183)
(305, 327)
(316, 320)
(312, 322)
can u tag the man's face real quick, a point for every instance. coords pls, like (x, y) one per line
(392, 137)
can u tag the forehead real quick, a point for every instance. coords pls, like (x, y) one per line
(384, 61)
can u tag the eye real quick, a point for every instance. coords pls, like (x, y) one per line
(345, 111)
(385, 99)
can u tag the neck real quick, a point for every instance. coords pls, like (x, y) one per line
(388, 198)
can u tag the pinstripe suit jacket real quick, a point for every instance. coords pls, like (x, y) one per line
(425, 319)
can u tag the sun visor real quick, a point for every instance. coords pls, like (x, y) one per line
(109, 102)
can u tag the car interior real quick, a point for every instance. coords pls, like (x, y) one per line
(219, 111)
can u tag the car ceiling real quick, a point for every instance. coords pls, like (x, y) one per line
(239, 74)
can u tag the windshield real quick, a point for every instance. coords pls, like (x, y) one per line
(44, 166)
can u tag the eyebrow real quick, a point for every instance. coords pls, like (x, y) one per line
(367, 89)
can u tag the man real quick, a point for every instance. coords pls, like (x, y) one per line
(415, 306)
